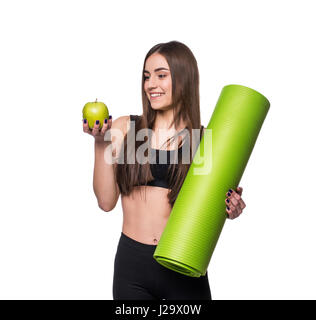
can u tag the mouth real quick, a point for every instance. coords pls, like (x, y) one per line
(156, 95)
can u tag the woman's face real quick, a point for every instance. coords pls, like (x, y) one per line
(158, 82)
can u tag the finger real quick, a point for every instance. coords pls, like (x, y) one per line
(234, 211)
(104, 127)
(232, 200)
(228, 202)
(234, 195)
(229, 192)
(85, 126)
(237, 201)
(110, 121)
(237, 209)
(95, 129)
(229, 212)
(242, 204)
(239, 190)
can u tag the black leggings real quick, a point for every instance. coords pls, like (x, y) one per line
(138, 276)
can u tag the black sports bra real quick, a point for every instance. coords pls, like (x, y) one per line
(160, 170)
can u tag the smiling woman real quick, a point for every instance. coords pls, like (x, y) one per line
(170, 96)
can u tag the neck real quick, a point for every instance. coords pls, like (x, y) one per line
(164, 120)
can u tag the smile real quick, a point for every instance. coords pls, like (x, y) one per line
(154, 96)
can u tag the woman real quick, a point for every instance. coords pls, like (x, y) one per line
(170, 96)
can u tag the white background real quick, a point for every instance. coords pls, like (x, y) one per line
(55, 242)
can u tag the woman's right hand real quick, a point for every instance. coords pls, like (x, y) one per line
(96, 132)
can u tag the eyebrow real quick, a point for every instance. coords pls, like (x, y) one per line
(156, 70)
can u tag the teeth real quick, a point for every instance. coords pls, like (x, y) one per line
(156, 94)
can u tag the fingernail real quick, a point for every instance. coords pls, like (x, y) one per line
(227, 200)
(229, 194)
(230, 190)
(227, 207)
(105, 120)
(85, 120)
(110, 117)
(97, 122)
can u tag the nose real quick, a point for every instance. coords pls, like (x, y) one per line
(152, 83)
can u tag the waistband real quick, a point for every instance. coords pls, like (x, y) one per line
(138, 245)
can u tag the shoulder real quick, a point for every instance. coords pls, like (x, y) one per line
(121, 126)
(121, 123)
(118, 131)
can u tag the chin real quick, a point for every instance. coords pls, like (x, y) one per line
(161, 107)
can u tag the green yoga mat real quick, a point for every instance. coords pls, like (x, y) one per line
(199, 212)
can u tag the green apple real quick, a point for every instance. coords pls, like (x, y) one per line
(93, 111)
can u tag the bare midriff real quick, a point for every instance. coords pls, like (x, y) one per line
(145, 213)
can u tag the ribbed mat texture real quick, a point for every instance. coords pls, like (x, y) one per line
(199, 212)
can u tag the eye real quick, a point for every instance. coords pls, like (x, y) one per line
(161, 76)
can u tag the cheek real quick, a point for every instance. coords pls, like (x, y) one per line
(170, 90)
(168, 87)
(145, 88)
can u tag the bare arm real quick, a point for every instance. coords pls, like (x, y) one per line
(104, 184)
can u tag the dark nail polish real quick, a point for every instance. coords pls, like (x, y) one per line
(227, 200)
(227, 207)
(105, 120)
(230, 190)
(110, 117)
(85, 120)
(97, 122)
(229, 194)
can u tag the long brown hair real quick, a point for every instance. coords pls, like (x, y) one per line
(185, 104)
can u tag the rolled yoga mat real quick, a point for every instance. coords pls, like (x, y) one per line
(199, 212)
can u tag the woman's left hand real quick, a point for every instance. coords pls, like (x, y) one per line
(234, 203)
